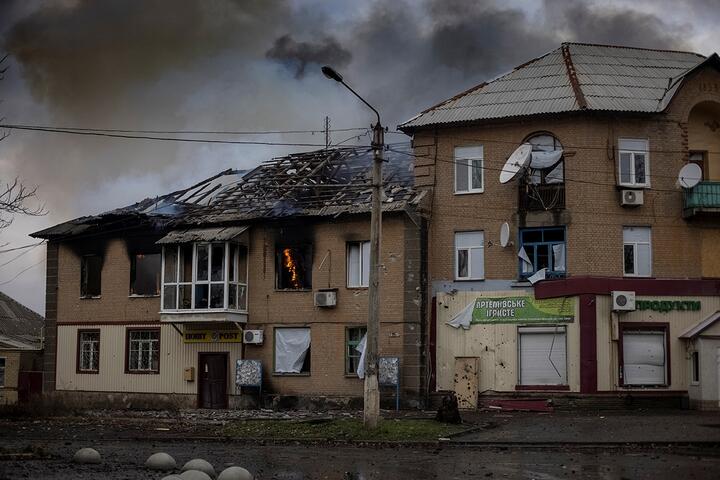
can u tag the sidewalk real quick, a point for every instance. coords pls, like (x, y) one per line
(675, 426)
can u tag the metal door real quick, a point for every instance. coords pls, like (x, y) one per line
(212, 380)
(467, 381)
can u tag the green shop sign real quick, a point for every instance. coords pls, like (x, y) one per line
(668, 305)
(525, 309)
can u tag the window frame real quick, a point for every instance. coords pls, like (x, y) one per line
(151, 371)
(308, 355)
(193, 283)
(624, 327)
(78, 365)
(635, 254)
(84, 274)
(646, 153)
(469, 249)
(351, 345)
(702, 162)
(307, 251)
(3, 371)
(133, 274)
(695, 367)
(360, 243)
(530, 329)
(470, 168)
(550, 273)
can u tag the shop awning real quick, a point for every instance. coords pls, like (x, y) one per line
(216, 234)
(700, 327)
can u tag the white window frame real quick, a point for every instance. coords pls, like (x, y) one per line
(632, 153)
(364, 276)
(241, 286)
(94, 349)
(635, 252)
(2, 371)
(467, 162)
(470, 250)
(695, 362)
(144, 346)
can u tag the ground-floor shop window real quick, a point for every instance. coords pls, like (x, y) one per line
(292, 350)
(353, 352)
(543, 355)
(644, 359)
(2, 372)
(88, 351)
(143, 351)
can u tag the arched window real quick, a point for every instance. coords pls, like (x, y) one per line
(547, 166)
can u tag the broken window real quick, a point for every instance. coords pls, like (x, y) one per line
(237, 281)
(358, 264)
(543, 356)
(294, 267)
(542, 248)
(143, 351)
(145, 274)
(88, 351)
(353, 350)
(292, 350)
(90, 274)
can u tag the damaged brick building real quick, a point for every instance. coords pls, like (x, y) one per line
(156, 302)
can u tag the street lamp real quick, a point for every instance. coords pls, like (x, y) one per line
(371, 413)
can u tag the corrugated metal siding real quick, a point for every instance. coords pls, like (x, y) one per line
(679, 321)
(495, 345)
(175, 356)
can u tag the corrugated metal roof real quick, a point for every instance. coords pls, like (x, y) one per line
(19, 322)
(190, 235)
(609, 77)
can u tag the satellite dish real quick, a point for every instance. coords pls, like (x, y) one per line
(519, 159)
(504, 234)
(690, 175)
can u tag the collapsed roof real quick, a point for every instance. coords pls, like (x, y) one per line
(574, 77)
(320, 183)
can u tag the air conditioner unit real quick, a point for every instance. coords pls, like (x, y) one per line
(254, 337)
(623, 301)
(631, 198)
(326, 298)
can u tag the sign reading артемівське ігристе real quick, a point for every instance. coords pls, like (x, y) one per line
(520, 309)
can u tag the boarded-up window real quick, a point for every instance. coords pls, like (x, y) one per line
(543, 357)
(145, 274)
(90, 275)
(644, 357)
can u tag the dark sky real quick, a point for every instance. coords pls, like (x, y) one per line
(254, 65)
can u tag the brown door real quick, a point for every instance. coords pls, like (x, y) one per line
(212, 386)
(29, 385)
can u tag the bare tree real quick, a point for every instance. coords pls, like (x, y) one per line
(14, 196)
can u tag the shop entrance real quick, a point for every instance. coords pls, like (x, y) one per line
(212, 376)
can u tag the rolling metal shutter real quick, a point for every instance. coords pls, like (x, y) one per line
(543, 357)
(644, 358)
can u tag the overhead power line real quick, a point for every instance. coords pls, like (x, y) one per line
(22, 247)
(22, 271)
(180, 132)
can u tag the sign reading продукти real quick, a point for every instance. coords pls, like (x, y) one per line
(524, 309)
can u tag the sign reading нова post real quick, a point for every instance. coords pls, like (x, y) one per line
(212, 336)
(523, 310)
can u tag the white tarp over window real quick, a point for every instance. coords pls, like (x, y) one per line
(527, 265)
(463, 318)
(644, 358)
(558, 257)
(361, 347)
(291, 346)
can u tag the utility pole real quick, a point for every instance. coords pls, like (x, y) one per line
(371, 413)
(327, 132)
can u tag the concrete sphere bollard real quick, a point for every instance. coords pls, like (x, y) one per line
(86, 455)
(235, 473)
(161, 461)
(200, 465)
(194, 475)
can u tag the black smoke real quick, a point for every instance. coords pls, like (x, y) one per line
(297, 55)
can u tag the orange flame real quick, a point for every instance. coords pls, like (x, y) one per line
(291, 267)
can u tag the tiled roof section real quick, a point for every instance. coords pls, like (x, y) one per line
(18, 320)
(607, 78)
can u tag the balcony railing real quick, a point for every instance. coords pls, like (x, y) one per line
(534, 198)
(702, 198)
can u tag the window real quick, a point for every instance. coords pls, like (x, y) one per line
(195, 276)
(695, 365)
(292, 350)
(542, 248)
(699, 158)
(637, 252)
(469, 255)
(294, 267)
(543, 357)
(469, 169)
(634, 167)
(143, 351)
(644, 356)
(353, 336)
(145, 274)
(2, 372)
(358, 264)
(88, 351)
(90, 270)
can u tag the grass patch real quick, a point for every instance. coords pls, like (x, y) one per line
(341, 429)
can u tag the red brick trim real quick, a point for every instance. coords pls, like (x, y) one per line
(588, 344)
(91, 324)
(641, 286)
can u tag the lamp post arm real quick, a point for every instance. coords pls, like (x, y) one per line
(362, 100)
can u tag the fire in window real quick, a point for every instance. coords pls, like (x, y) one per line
(294, 267)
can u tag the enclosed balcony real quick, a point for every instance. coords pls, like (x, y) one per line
(703, 198)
